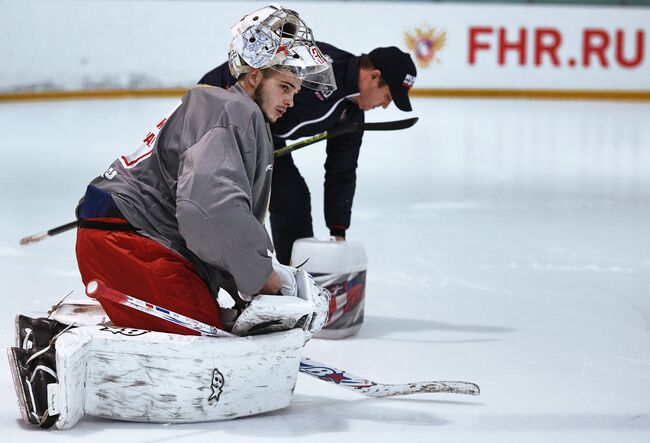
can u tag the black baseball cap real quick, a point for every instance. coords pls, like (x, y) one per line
(398, 70)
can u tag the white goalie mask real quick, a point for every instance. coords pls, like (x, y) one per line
(275, 37)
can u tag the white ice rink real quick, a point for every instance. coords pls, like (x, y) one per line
(508, 244)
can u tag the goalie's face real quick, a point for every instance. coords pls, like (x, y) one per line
(273, 92)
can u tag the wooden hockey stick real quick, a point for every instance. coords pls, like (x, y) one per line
(343, 129)
(98, 290)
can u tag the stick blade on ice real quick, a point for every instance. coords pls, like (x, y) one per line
(426, 387)
(370, 388)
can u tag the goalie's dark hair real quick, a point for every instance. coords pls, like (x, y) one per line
(266, 73)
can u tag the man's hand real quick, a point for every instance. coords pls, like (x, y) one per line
(273, 284)
(337, 238)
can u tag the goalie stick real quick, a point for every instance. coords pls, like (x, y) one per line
(98, 290)
(343, 129)
(373, 389)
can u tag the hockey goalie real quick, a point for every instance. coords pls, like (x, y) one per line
(161, 233)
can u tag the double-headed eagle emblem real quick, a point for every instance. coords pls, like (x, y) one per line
(425, 43)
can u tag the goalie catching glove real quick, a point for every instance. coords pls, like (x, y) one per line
(305, 306)
(287, 277)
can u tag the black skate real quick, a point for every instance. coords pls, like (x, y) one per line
(32, 372)
(36, 333)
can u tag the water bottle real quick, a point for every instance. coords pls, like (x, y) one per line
(339, 266)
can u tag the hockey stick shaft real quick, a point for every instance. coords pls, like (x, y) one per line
(343, 129)
(49, 233)
(98, 290)
(347, 129)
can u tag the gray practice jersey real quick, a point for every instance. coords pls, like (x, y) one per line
(202, 188)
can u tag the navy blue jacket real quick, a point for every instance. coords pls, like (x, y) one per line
(314, 112)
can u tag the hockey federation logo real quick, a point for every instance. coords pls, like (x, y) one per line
(409, 80)
(425, 43)
(216, 385)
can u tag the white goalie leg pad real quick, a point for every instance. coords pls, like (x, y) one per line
(135, 375)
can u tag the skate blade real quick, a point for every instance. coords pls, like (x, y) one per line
(19, 387)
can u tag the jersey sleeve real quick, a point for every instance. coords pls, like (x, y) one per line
(214, 207)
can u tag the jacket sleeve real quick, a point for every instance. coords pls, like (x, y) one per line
(219, 76)
(341, 176)
(214, 207)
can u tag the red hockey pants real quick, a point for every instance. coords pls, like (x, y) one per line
(145, 269)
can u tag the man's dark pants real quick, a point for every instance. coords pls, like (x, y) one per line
(290, 208)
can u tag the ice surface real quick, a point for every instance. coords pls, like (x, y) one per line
(508, 244)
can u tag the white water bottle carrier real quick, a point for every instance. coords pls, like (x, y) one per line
(340, 267)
